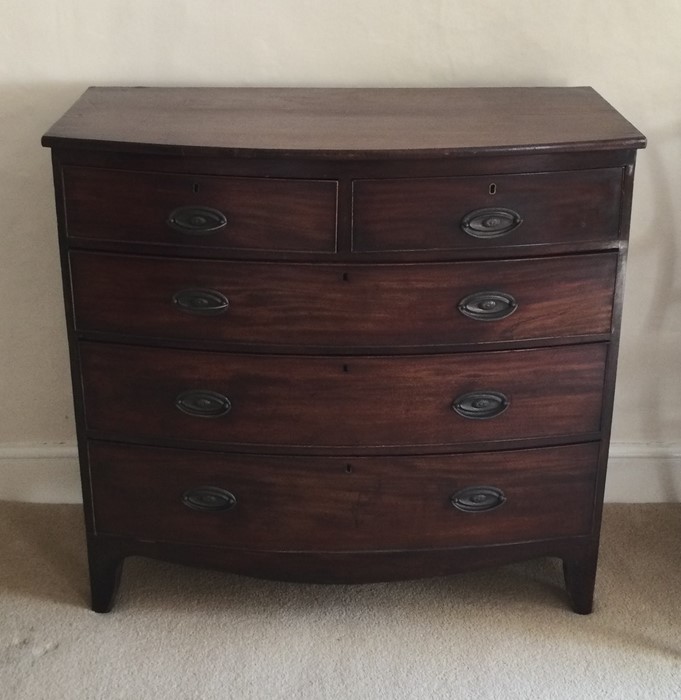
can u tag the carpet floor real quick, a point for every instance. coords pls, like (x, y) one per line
(184, 633)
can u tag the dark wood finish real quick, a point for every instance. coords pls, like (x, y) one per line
(105, 565)
(262, 214)
(342, 402)
(343, 123)
(580, 578)
(74, 360)
(337, 343)
(106, 555)
(298, 166)
(428, 213)
(344, 567)
(275, 306)
(345, 256)
(336, 504)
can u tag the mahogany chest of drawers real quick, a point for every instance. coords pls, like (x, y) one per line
(343, 335)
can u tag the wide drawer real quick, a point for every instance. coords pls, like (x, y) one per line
(200, 211)
(343, 306)
(348, 402)
(486, 211)
(336, 504)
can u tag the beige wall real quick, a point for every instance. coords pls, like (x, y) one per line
(50, 50)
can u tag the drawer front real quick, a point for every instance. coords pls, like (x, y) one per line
(461, 213)
(201, 211)
(337, 504)
(343, 306)
(343, 402)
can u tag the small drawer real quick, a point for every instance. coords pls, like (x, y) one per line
(343, 306)
(343, 504)
(480, 212)
(200, 211)
(341, 402)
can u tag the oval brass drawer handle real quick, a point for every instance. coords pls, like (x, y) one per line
(491, 222)
(197, 220)
(488, 306)
(210, 499)
(202, 403)
(202, 302)
(481, 404)
(475, 499)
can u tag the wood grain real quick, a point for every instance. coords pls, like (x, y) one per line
(426, 213)
(261, 213)
(343, 348)
(278, 306)
(335, 504)
(342, 123)
(341, 402)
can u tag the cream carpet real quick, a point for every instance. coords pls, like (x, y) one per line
(183, 633)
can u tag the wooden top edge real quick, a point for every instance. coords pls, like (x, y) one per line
(342, 123)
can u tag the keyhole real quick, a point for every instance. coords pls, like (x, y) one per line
(348, 468)
(492, 189)
(346, 368)
(195, 187)
(345, 277)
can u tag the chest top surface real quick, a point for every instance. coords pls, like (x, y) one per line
(343, 123)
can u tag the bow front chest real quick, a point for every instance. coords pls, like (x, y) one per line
(343, 335)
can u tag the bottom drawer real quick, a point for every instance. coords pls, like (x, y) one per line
(337, 504)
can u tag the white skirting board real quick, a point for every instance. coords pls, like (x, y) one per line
(40, 473)
(643, 472)
(48, 473)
